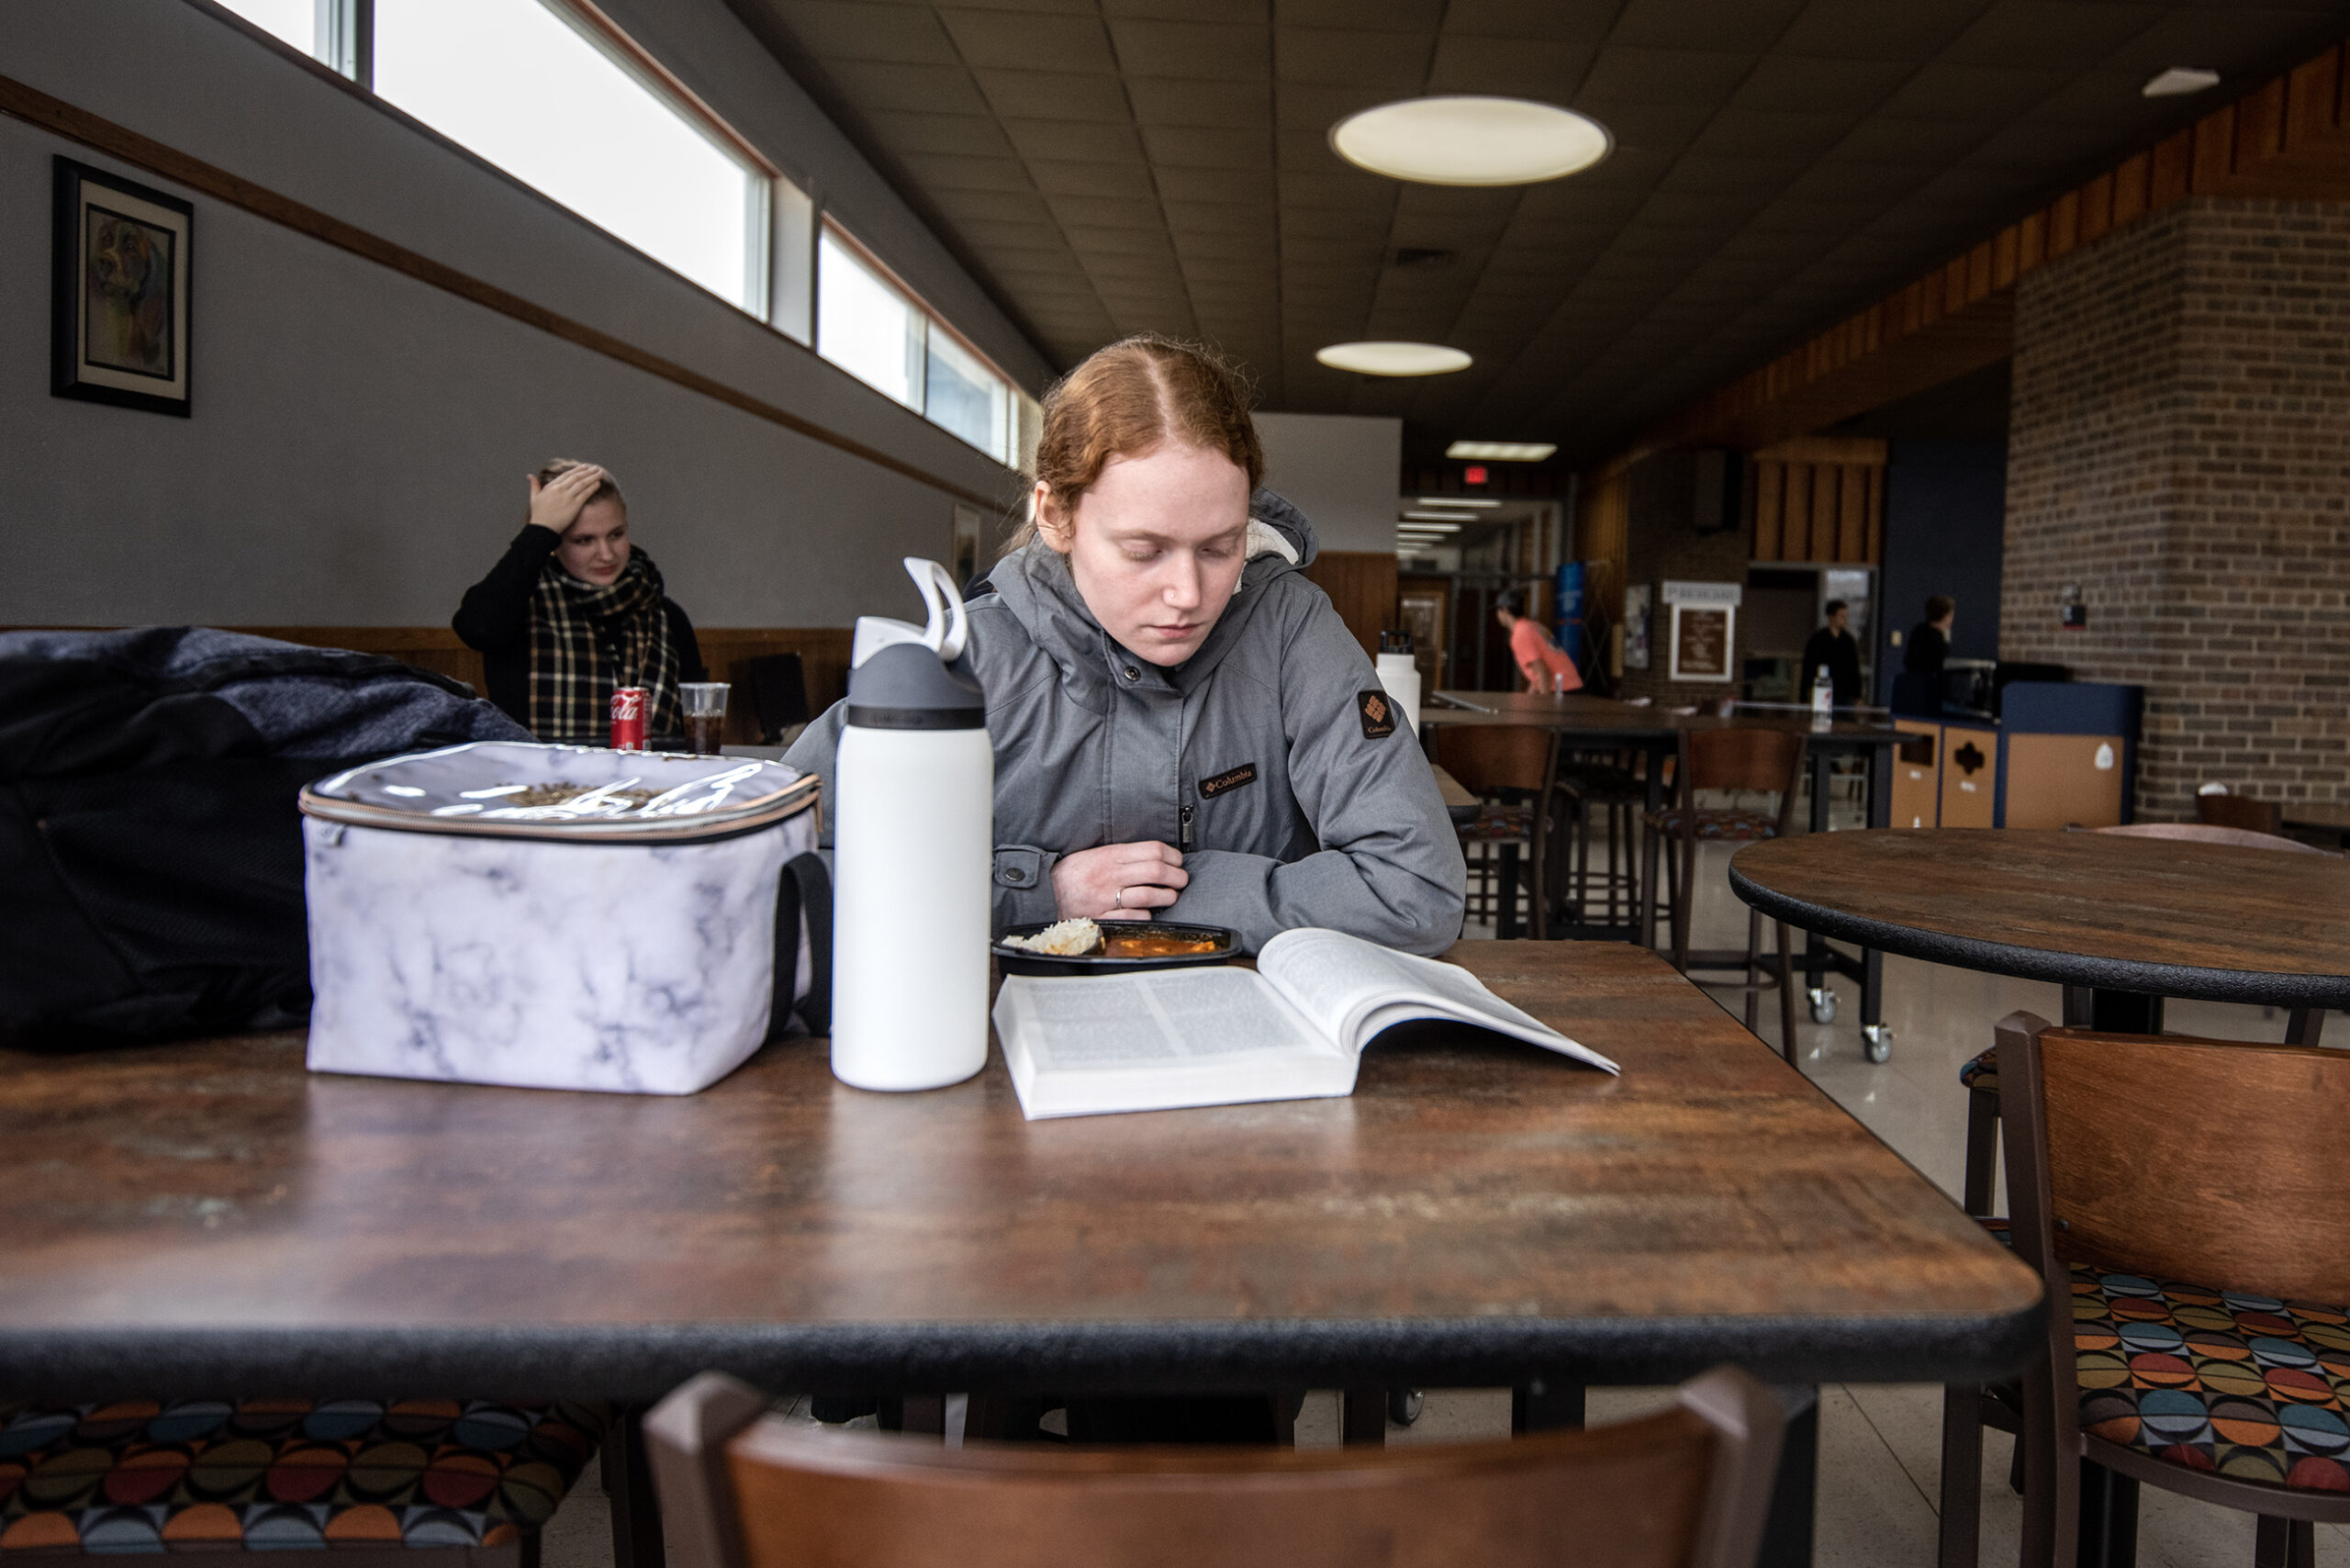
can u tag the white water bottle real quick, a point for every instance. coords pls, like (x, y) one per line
(1399, 674)
(913, 846)
(1823, 698)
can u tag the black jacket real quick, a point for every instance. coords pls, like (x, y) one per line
(1927, 651)
(1842, 656)
(494, 618)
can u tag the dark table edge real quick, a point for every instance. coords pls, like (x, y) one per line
(641, 1362)
(2033, 963)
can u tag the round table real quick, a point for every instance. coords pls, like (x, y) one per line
(2121, 922)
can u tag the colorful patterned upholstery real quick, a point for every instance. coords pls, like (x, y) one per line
(2248, 1387)
(1982, 1073)
(1497, 823)
(1723, 824)
(140, 1475)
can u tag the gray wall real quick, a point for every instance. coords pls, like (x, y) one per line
(359, 441)
(1340, 470)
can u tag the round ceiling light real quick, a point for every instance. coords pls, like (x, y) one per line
(1393, 358)
(1471, 141)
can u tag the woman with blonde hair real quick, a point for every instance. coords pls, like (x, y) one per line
(1183, 725)
(573, 610)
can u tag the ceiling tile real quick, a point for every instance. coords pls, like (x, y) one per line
(1744, 25)
(1205, 51)
(1059, 179)
(1872, 30)
(1069, 141)
(1167, 101)
(1200, 147)
(1379, 16)
(921, 89)
(1385, 64)
(1771, 133)
(1797, 84)
(1221, 187)
(1020, 40)
(963, 135)
(1096, 99)
(843, 29)
(1106, 212)
(1945, 91)
(1626, 78)
(1548, 70)
(937, 173)
(1210, 223)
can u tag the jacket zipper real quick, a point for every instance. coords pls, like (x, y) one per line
(1183, 838)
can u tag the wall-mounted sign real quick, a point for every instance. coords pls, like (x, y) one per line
(1703, 634)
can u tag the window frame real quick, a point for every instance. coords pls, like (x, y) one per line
(1009, 457)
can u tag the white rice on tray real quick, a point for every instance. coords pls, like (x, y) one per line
(1063, 939)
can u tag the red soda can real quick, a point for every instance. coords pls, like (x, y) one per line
(628, 718)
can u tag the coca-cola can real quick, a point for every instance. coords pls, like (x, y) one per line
(628, 718)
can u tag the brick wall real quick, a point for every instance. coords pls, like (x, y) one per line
(1663, 541)
(2179, 448)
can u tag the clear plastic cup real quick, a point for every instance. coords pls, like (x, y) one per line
(705, 705)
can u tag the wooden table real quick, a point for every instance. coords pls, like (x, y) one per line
(209, 1219)
(1583, 719)
(2121, 922)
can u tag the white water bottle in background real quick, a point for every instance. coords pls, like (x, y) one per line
(1399, 674)
(1823, 698)
(913, 847)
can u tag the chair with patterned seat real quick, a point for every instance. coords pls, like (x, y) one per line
(1745, 760)
(2137, 1164)
(466, 1483)
(1980, 1075)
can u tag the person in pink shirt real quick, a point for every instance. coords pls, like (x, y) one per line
(1545, 665)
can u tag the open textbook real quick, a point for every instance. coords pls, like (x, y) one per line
(1295, 1029)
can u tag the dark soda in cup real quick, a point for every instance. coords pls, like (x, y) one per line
(628, 718)
(703, 732)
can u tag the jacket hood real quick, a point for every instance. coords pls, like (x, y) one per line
(1033, 583)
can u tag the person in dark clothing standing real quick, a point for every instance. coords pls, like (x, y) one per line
(1929, 646)
(1832, 645)
(572, 610)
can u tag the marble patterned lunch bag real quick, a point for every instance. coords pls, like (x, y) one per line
(559, 916)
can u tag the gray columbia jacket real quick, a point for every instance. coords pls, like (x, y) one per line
(1273, 759)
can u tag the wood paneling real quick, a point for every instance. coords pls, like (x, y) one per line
(2286, 140)
(1819, 500)
(1362, 585)
(823, 650)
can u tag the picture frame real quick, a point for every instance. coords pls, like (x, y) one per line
(121, 272)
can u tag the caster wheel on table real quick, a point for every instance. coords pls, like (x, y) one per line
(1404, 1406)
(1823, 1006)
(1877, 1041)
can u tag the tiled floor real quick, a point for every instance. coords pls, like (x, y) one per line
(1880, 1460)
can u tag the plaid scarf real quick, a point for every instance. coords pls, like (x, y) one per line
(585, 640)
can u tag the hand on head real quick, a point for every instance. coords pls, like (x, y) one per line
(555, 506)
(1118, 881)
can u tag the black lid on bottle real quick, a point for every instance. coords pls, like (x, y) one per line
(1395, 642)
(905, 687)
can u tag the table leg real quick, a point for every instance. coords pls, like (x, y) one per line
(2114, 1011)
(1814, 946)
(1880, 766)
(2108, 1536)
(1363, 1418)
(1506, 916)
(1545, 1405)
(1787, 1536)
(628, 1487)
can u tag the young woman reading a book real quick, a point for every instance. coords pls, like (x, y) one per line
(1183, 727)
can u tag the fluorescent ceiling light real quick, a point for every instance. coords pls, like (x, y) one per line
(1448, 521)
(1456, 502)
(1471, 141)
(1393, 358)
(1503, 450)
(2179, 81)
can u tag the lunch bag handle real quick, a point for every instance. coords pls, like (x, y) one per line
(803, 889)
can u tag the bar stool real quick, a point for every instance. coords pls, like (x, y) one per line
(1763, 761)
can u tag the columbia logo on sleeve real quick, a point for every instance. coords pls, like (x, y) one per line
(1378, 715)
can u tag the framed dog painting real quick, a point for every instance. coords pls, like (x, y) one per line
(119, 290)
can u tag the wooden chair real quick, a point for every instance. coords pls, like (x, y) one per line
(2136, 1163)
(1514, 769)
(1756, 760)
(741, 1488)
(2240, 812)
(1981, 1075)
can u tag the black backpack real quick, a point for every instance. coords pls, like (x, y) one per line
(150, 852)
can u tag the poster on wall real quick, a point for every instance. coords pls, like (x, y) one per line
(1637, 596)
(1703, 630)
(120, 259)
